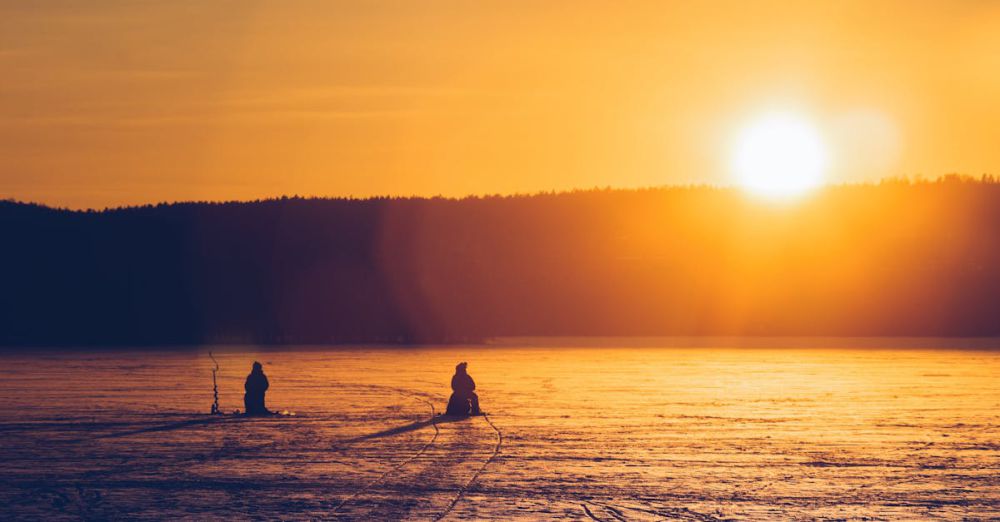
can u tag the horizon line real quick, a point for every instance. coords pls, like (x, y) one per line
(919, 179)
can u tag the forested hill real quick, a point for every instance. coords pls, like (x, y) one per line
(892, 259)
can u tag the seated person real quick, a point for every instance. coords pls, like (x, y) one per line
(255, 387)
(463, 397)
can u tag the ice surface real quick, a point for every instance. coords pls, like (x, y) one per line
(581, 433)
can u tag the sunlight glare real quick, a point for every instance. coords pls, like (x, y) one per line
(780, 156)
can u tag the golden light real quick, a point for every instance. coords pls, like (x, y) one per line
(780, 156)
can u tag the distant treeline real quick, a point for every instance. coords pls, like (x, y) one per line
(889, 259)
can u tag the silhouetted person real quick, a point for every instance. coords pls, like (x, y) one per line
(463, 397)
(255, 387)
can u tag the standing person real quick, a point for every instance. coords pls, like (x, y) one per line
(464, 395)
(255, 387)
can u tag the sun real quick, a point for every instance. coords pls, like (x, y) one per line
(779, 156)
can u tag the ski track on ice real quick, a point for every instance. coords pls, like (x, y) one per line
(437, 431)
(670, 513)
(220, 453)
(341, 445)
(590, 514)
(472, 480)
(397, 467)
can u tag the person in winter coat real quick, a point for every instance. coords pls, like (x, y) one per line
(463, 397)
(256, 386)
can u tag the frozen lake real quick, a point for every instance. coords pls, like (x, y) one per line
(628, 433)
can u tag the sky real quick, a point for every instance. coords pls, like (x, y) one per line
(107, 102)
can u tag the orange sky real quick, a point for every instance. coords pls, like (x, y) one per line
(119, 102)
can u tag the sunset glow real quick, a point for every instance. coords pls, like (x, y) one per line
(500, 261)
(127, 103)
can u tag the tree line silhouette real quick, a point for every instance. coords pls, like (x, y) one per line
(896, 258)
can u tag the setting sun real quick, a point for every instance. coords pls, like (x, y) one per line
(779, 155)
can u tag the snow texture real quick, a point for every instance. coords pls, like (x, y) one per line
(606, 434)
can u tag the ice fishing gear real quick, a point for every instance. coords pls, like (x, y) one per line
(215, 386)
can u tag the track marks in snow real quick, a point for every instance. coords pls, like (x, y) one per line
(381, 478)
(589, 513)
(472, 480)
(661, 512)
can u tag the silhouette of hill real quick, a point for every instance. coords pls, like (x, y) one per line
(889, 259)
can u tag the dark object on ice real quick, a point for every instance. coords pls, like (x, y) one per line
(463, 400)
(215, 386)
(458, 406)
(255, 387)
